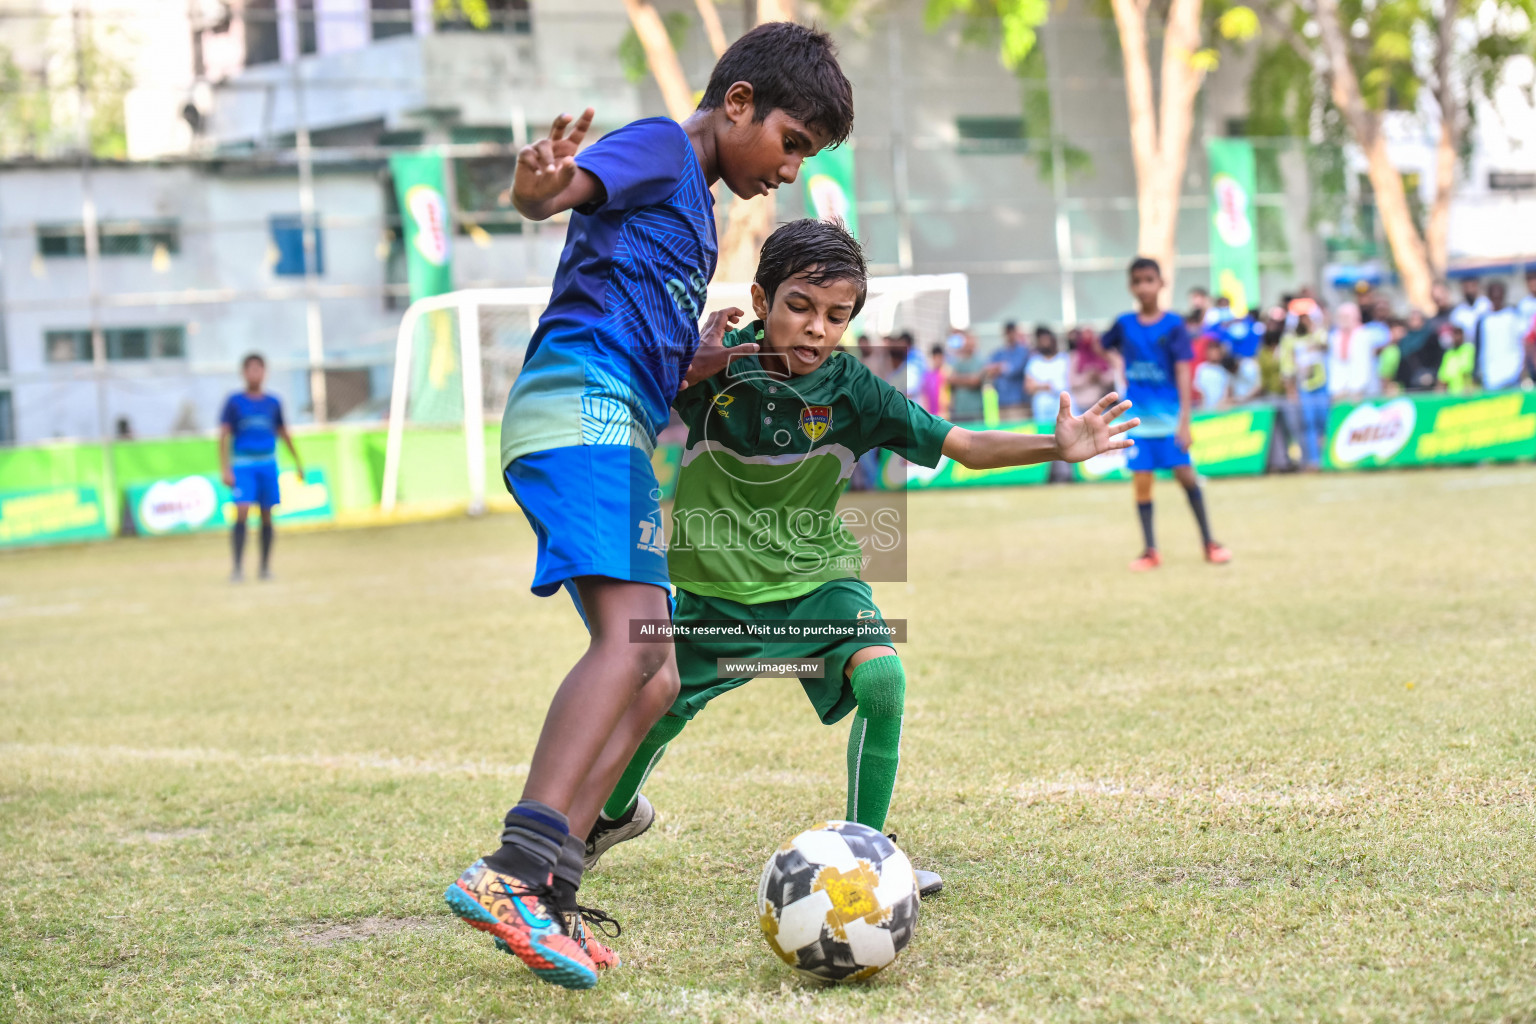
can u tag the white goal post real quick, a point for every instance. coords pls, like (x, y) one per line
(927, 304)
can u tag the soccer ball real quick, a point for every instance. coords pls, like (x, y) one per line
(838, 902)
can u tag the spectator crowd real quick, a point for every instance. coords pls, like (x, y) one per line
(1297, 355)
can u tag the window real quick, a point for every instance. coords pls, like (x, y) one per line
(261, 37)
(124, 344)
(306, 15)
(118, 238)
(499, 16)
(288, 240)
(390, 18)
(991, 134)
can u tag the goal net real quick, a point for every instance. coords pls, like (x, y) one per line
(457, 355)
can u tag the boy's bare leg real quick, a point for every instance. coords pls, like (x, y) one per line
(597, 693)
(644, 712)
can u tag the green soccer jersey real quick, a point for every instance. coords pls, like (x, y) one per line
(754, 518)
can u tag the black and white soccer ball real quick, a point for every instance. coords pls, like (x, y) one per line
(838, 902)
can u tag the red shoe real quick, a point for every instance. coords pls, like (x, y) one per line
(519, 917)
(576, 923)
(1149, 560)
(1216, 554)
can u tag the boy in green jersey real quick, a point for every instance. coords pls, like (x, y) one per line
(756, 536)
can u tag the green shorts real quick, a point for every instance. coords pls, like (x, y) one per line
(831, 696)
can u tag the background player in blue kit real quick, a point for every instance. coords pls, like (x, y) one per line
(619, 339)
(252, 421)
(1151, 350)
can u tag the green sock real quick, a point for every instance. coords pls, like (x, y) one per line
(874, 743)
(639, 769)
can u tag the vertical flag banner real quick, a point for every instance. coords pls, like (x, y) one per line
(437, 393)
(1234, 238)
(829, 187)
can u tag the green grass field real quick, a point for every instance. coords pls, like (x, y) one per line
(1296, 788)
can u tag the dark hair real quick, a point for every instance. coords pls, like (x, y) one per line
(1194, 290)
(1010, 326)
(1145, 263)
(790, 68)
(937, 350)
(254, 357)
(822, 250)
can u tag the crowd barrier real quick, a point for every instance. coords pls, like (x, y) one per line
(62, 493)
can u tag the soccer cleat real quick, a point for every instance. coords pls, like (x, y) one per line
(928, 882)
(518, 915)
(1149, 560)
(605, 834)
(237, 576)
(576, 923)
(1216, 554)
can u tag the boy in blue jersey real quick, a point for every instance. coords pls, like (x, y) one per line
(251, 423)
(619, 339)
(1151, 352)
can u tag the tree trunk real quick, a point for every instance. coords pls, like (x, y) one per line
(1159, 139)
(750, 221)
(1437, 232)
(712, 27)
(775, 10)
(1365, 128)
(665, 67)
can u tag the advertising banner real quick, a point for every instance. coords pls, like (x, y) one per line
(1234, 241)
(829, 187)
(52, 516)
(1427, 430)
(192, 503)
(437, 389)
(898, 474)
(1234, 443)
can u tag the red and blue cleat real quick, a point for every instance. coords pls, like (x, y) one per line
(521, 918)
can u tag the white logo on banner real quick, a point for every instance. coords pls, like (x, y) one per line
(170, 504)
(430, 212)
(828, 197)
(1374, 430)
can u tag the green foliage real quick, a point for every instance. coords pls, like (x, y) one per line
(476, 12)
(632, 59)
(31, 105)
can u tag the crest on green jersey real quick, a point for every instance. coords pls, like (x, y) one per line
(815, 421)
(722, 405)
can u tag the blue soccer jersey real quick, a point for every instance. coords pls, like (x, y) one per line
(622, 322)
(254, 422)
(1150, 352)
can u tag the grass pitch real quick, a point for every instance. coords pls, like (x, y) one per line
(1296, 788)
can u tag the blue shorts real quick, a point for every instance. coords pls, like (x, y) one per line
(1154, 453)
(596, 511)
(255, 483)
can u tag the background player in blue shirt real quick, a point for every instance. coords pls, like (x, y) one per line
(615, 345)
(251, 423)
(1151, 352)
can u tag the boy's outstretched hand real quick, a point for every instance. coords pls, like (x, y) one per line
(1094, 432)
(712, 356)
(546, 168)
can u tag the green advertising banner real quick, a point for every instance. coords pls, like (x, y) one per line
(201, 502)
(1234, 443)
(53, 516)
(437, 394)
(1426, 430)
(897, 474)
(1234, 242)
(829, 187)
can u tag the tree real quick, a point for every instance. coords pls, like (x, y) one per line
(39, 110)
(1362, 59)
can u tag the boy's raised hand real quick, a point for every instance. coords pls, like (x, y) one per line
(545, 168)
(1094, 432)
(712, 356)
